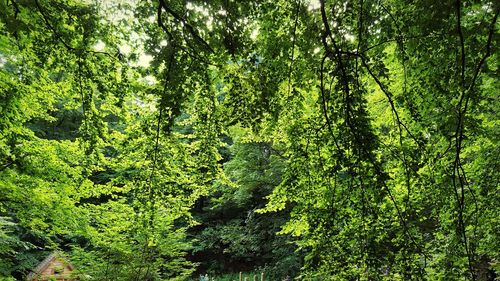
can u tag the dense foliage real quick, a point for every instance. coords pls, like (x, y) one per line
(321, 140)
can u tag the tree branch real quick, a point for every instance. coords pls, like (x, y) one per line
(51, 27)
(185, 23)
(64, 43)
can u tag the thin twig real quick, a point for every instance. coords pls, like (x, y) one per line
(290, 68)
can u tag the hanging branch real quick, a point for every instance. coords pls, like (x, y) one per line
(59, 37)
(463, 103)
(294, 38)
(170, 38)
(159, 20)
(324, 104)
(487, 53)
(184, 23)
(337, 55)
(399, 123)
(400, 42)
(150, 191)
(384, 90)
(364, 200)
(15, 5)
(16, 8)
(51, 27)
(458, 145)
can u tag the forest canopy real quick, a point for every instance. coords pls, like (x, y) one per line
(309, 140)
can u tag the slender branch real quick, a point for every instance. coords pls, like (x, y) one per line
(161, 24)
(337, 52)
(293, 47)
(324, 103)
(170, 36)
(400, 41)
(488, 50)
(458, 145)
(51, 27)
(80, 88)
(16, 8)
(64, 43)
(328, 33)
(150, 192)
(463, 103)
(386, 92)
(185, 23)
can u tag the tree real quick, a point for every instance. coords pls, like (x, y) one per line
(383, 114)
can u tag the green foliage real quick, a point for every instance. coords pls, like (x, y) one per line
(356, 140)
(232, 236)
(69, 179)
